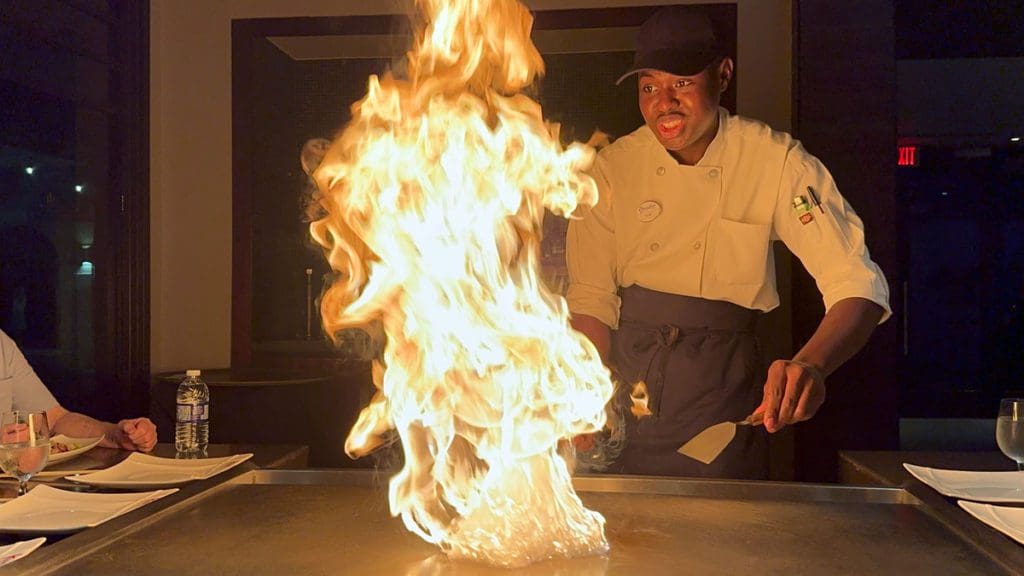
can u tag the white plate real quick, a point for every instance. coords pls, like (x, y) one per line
(19, 550)
(1007, 519)
(48, 510)
(971, 485)
(81, 446)
(145, 471)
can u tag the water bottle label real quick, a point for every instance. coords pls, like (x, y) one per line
(193, 412)
(185, 412)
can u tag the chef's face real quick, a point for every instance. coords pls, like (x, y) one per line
(682, 111)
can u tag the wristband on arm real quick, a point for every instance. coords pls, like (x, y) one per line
(811, 369)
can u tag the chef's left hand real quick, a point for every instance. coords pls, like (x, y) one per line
(793, 393)
(136, 434)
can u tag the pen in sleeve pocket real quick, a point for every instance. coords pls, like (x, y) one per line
(814, 196)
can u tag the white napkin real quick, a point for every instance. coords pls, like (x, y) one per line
(1007, 519)
(19, 550)
(46, 509)
(972, 485)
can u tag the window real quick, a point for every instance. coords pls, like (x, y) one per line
(73, 197)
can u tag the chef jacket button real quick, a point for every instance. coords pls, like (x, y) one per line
(696, 245)
(661, 170)
(655, 246)
(713, 173)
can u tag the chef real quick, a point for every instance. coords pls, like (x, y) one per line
(669, 271)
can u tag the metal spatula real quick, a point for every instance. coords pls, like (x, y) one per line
(709, 443)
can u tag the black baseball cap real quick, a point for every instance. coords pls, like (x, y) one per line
(680, 40)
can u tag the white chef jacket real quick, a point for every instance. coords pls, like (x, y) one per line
(706, 230)
(20, 388)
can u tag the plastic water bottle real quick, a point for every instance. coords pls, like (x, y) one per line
(192, 430)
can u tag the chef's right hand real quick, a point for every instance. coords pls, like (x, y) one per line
(793, 392)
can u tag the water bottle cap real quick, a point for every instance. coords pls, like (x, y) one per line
(192, 372)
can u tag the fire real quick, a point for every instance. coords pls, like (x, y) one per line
(432, 203)
(639, 397)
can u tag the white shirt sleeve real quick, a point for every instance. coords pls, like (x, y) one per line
(590, 254)
(831, 246)
(18, 379)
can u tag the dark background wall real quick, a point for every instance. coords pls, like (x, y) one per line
(946, 77)
(960, 84)
(844, 112)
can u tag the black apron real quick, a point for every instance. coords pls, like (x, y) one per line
(702, 365)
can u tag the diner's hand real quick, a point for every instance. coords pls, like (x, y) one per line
(793, 392)
(136, 434)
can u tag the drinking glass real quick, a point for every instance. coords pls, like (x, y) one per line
(1010, 429)
(24, 445)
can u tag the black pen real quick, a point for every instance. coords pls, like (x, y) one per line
(815, 198)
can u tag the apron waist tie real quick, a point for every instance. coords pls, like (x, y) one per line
(659, 342)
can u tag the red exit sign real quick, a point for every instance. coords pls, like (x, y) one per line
(908, 156)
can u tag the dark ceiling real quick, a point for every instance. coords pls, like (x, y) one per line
(966, 29)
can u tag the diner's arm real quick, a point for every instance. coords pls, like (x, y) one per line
(131, 434)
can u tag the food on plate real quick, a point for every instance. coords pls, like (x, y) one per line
(60, 447)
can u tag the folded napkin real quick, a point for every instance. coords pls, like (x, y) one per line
(19, 550)
(972, 485)
(145, 471)
(1007, 519)
(46, 509)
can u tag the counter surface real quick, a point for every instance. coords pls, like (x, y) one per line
(337, 522)
(885, 468)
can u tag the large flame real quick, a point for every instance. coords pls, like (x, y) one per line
(433, 199)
